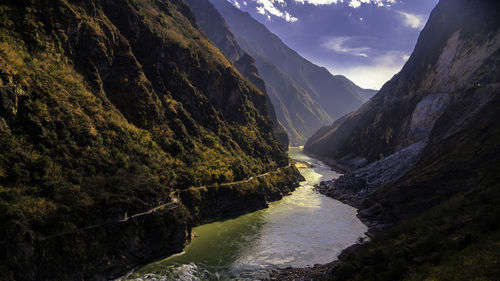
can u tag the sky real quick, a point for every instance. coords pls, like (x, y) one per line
(366, 40)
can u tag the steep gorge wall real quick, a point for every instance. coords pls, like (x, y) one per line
(453, 59)
(106, 107)
(423, 157)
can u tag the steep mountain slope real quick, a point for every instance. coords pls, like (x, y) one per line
(110, 109)
(218, 32)
(216, 29)
(318, 95)
(298, 112)
(431, 135)
(439, 75)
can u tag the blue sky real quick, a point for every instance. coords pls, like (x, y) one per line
(366, 40)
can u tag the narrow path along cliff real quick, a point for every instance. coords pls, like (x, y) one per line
(163, 207)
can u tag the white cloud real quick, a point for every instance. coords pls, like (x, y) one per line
(376, 74)
(413, 20)
(341, 45)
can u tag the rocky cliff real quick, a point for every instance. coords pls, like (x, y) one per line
(423, 157)
(452, 58)
(305, 95)
(106, 109)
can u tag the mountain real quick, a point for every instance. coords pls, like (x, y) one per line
(422, 157)
(406, 109)
(119, 120)
(216, 29)
(305, 95)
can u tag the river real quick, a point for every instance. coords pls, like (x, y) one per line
(302, 229)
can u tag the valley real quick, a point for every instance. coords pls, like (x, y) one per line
(162, 140)
(302, 229)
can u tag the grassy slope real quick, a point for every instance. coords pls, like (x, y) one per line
(107, 107)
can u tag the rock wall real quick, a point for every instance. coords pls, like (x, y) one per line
(452, 59)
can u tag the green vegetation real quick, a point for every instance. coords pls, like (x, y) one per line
(105, 108)
(222, 201)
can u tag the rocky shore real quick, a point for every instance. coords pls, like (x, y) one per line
(356, 185)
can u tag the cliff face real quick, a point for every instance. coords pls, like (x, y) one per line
(305, 96)
(106, 108)
(216, 29)
(428, 147)
(453, 59)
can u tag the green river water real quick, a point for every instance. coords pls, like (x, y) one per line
(300, 230)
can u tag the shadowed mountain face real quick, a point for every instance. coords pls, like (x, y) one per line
(216, 29)
(106, 108)
(305, 95)
(427, 145)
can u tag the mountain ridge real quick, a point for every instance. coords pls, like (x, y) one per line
(111, 108)
(215, 27)
(317, 96)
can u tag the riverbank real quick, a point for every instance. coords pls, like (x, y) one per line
(132, 237)
(318, 272)
(295, 231)
(210, 203)
(225, 201)
(354, 188)
(351, 191)
(335, 165)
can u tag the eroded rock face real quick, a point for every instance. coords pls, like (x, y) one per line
(427, 111)
(355, 186)
(450, 78)
(452, 62)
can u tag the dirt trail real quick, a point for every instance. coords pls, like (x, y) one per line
(163, 207)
